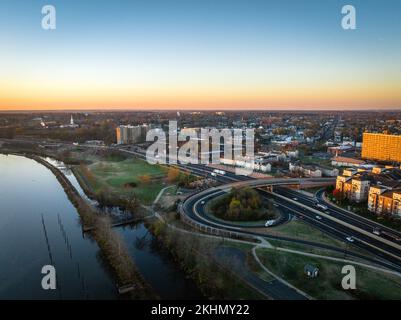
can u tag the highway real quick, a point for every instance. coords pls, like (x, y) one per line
(340, 231)
(347, 226)
(339, 213)
(395, 235)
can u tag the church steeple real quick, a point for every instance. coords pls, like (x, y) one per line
(72, 121)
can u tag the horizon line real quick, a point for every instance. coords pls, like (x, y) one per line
(74, 110)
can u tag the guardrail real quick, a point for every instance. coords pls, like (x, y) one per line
(213, 231)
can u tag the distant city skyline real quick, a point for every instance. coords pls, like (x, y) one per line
(194, 55)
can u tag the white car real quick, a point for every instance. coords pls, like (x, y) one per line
(350, 239)
(269, 223)
(203, 202)
(276, 205)
(295, 199)
(376, 231)
(321, 206)
(318, 217)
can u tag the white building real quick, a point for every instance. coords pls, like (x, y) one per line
(346, 162)
(71, 125)
(307, 170)
(258, 165)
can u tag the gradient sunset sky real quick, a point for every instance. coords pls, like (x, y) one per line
(194, 54)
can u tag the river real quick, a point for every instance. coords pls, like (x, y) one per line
(39, 226)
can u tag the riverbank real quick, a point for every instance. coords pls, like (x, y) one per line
(196, 256)
(128, 278)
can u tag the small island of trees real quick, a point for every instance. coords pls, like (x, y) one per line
(241, 205)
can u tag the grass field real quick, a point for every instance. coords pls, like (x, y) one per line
(370, 284)
(301, 230)
(117, 175)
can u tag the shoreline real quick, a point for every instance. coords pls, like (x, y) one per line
(128, 278)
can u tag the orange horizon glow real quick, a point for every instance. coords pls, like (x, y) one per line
(20, 98)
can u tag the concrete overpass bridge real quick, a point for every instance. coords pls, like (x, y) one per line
(269, 183)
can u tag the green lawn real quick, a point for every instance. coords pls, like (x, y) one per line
(307, 232)
(117, 174)
(370, 284)
(301, 230)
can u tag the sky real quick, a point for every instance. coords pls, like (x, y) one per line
(200, 54)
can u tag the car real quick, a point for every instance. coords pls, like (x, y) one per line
(321, 206)
(350, 239)
(376, 231)
(276, 205)
(318, 217)
(269, 223)
(295, 199)
(203, 202)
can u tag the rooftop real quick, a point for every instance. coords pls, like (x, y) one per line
(348, 160)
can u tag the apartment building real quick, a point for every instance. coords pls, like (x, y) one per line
(380, 187)
(382, 147)
(354, 187)
(385, 199)
(128, 134)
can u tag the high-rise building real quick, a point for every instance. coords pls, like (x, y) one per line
(131, 134)
(382, 147)
(119, 137)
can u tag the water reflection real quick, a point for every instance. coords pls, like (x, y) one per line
(39, 226)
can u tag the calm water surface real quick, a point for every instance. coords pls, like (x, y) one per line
(39, 226)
